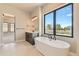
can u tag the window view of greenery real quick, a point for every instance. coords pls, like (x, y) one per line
(49, 23)
(64, 21)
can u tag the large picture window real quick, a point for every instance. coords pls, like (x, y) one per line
(60, 21)
(64, 21)
(49, 23)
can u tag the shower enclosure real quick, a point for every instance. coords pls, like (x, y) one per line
(7, 28)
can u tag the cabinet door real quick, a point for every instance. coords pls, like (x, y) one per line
(27, 37)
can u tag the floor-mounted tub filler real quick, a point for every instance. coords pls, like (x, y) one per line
(51, 48)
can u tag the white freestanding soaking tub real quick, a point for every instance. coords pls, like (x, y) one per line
(51, 48)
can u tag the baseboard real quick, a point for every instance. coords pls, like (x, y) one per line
(73, 54)
(20, 40)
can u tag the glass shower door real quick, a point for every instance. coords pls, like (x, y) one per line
(8, 29)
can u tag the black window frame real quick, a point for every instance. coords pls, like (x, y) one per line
(54, 21)
(44, 23)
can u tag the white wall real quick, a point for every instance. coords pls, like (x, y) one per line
(35, 23)
(73, 41)
(77, 17)
(38, 12)
(22, 19)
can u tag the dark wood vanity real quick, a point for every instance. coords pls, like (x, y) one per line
(29, 37)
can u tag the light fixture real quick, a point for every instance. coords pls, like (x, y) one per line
(8, 15)
(34, 18)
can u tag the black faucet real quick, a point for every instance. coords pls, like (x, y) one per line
(50, 37)
(54, 37)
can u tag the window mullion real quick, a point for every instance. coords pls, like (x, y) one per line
(54, 23)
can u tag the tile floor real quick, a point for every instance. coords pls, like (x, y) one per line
(19, 49)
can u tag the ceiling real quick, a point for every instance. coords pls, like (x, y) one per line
(27, 7)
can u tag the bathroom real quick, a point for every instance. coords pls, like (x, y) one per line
(73, 41)
(33, 22)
